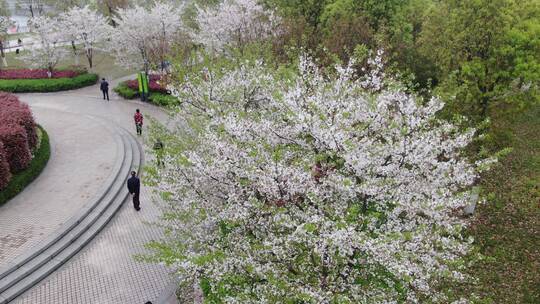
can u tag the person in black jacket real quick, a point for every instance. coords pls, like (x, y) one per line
(104, 88)
(134, 187)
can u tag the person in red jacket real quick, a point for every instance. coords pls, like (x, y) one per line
(138, 121)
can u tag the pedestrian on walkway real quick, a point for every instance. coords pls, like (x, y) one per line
(138, 121)
(104, 88)
(134, 187)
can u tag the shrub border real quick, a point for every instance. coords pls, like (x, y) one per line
(44, 85)
(20, 180)
(128, 93)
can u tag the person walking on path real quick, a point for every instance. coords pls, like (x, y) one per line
(134, 187)
(104, 88)
(138, 121)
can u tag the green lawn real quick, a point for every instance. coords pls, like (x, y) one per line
(507, 228)
(17, 36)
(104, 64)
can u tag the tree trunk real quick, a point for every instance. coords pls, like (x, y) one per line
(3, 54)
(89, 57)
(31, 10)
(109, 8)
(75, 52)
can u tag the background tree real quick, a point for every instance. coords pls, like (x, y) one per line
(318, 188)
(47, 51)
(87, 26)
(34, 7)
(133, 47)
(480, 52)
(234, 23)
(111, 7)
(5, 24)
(65, 5)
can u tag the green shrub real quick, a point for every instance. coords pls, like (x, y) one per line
(123, 90)
(20, 180)
(163, 99)
(159, 99)
(47, 85)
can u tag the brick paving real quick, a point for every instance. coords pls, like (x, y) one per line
(75, 172)
(105, 271)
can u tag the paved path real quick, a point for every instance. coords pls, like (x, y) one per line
(75, 172)
(105, 270)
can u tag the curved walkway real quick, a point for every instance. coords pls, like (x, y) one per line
(76, 171)
(104, 271)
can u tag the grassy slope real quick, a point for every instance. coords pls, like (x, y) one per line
(507, 228)
(104, 64)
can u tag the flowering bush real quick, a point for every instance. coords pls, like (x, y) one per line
(15, 112)
(153, 84)
(5, 174)
(323, 189)
(36, 74)
(15, 142)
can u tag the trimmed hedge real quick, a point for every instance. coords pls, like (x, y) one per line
(123, 90)
(157, 98)
(37, 73)
(48, 84)
(163, 99)
(5, 174)
(20, 180)
(153, 85)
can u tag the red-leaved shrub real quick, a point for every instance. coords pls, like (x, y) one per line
(5, 175)
(15, 112)
(18, 133)
(13, 137)
(153, 85)
(36, 74)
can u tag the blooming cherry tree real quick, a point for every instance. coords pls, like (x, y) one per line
(87, 26)
(324, 189)
(47, 51)
(234, 23)
(143, 37)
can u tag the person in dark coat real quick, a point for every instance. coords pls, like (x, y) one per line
(104, 88)
(134, 187)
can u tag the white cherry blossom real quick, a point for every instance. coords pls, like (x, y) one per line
(323, 189)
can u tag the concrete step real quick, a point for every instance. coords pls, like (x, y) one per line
(39, 266)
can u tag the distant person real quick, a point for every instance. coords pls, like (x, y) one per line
(19, 44)
(138, 121)
(104, 88)
(134, 187)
